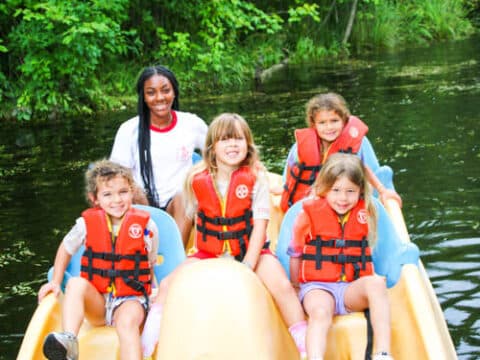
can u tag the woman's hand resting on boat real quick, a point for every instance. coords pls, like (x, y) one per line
(47, 288)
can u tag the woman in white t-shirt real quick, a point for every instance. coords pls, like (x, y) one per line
(158, 143)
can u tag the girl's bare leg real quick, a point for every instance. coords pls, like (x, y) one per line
(271, 272)
(151, 331)
(82, 300)
(320, 307)
(371, 292)
(127, 319)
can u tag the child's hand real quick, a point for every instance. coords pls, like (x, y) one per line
(390, 194)
(47, 288)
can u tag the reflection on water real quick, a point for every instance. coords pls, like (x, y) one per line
(421, 106)
(454, 268)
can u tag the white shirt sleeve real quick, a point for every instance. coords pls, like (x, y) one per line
(125, 148)
(261, 197)
(200, 133)
(75, 237)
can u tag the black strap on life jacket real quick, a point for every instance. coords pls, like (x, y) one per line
(137, 286)
(114, 257)
(314, 169)
(130, 277)
(240, 256)
(241, 235)
(343, 259)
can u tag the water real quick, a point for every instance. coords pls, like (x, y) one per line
(421, 106)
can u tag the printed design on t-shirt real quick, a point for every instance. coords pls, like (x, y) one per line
(135, 231)
(241, 191)
(184, 153)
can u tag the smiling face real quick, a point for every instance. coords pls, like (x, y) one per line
(329, 126)
(114, 196)
(230, 151)
(159, 94)
(343, 195)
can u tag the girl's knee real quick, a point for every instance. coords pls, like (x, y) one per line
(281, 287)
(378, 283)
(320, 314)
(77, 285)
(376, 286)
(130, 317)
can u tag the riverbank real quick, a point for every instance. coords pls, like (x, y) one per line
(72, 58)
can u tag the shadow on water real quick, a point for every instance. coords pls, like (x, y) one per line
(421, 106)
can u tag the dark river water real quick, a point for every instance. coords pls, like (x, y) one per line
(420, 104)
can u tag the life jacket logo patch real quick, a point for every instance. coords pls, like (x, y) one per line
(362, 216)
(354, 132)
(241, 191)
(135, 231)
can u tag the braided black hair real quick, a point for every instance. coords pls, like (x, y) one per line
(146, 167)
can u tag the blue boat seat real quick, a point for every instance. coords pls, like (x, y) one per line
(170, 251)
(170, 248)
(196, 157)
(389, 254)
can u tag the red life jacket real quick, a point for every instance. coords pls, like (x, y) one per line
(333, 252)
(303, 173)
(232, 222)
(122, 261)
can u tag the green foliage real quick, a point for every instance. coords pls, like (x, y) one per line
(81, 56)
(378, 24)
(391, 23)
(299, 13)
(435, 19)
(212, 50)
(62, 45)
(472, 8)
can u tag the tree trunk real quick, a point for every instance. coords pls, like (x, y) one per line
(348, 30)
(330, 11)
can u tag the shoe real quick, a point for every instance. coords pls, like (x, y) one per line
(60, 346)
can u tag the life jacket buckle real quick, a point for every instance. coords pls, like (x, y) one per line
(339, 243)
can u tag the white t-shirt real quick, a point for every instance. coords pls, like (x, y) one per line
(171, 150)
(77, 235)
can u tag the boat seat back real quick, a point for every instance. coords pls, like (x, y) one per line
(170, 246)
(196, 157)
(170, 250)
(389, 253)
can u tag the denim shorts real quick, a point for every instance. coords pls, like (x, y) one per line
(336, 289)
(112, 303)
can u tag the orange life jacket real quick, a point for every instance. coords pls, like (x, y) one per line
(303, 173)
(333, 252)
(122, 260)
(230, 222)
